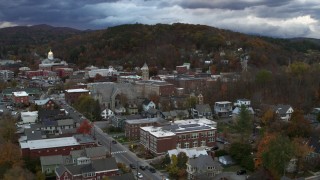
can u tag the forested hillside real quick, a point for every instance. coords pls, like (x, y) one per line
(160, 45)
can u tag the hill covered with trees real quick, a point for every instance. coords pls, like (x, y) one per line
(160, 45)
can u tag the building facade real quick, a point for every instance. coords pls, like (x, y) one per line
(180, 134)
(54, 146)
(72, 95)
(20, 98)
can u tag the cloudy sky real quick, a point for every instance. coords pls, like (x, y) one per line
(278, 18)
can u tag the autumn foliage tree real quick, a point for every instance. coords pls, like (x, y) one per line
(85, 127)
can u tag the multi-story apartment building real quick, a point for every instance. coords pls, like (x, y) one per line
(180, 134)
(223, 108)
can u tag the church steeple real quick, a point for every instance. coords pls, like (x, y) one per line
(145, 72)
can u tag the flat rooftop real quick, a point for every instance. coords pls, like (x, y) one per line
(76, 90)
(49, 143)
(189, 125)
(158, 131)
(141, 121)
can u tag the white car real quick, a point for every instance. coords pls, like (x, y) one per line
(139, 175)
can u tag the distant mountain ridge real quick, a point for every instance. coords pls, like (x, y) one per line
(37, 34)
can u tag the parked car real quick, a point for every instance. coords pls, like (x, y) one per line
(152, 170)
(132, 166)
(139, 175)
(241, 172)
(143, 168)
(214, 148)
(114, 142)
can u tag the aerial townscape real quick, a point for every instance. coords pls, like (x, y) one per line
(153, 101)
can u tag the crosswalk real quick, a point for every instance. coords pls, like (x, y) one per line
(118, 152)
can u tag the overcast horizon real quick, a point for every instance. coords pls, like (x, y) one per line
(285, 19)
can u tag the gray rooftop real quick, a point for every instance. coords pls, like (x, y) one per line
(143, 121)
(65, 122)
(51, 160)
(95, 166)
(178, 128)
(95, 151)
(204, 161)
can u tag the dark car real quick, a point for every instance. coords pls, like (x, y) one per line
(214, 148)
(241, 172)
(132, 166)
(143, 168)
(114, 142)
(152, 170)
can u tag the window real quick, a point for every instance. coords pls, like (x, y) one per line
(203, 143)
(48, 170)
(186, 145)
(211, 140)
(195, 144)
(194, 135)
(178, 145)
(183, 137)
(210, 133)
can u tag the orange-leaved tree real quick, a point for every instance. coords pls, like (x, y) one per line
(85, 127)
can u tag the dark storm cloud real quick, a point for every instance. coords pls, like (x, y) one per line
(281, 18)
(231, 4)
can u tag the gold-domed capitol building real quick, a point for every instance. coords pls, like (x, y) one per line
(51, 63)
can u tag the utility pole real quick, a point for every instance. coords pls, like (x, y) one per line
(137, 169)
(110, 148)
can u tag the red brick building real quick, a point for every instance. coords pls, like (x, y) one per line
(96, 169)
(71, 95)
(55, 146)
(20, 97)
(64, 72)
(132, 127)
(160, 88)
(181, 134)
(188, 83)
(31, 74)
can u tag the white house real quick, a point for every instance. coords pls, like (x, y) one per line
(240, 102)
(29, 117)
(283, 111)
(105, 114)
(147, 104)
(223, 108)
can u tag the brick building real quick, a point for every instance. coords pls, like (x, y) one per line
(71, 95)
(160, 88)
(132, 127)
(180, 134)
(188, 83)
(20, 97)
(64, 72)
(55, 146)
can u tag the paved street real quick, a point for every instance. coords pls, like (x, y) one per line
(120, 152)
